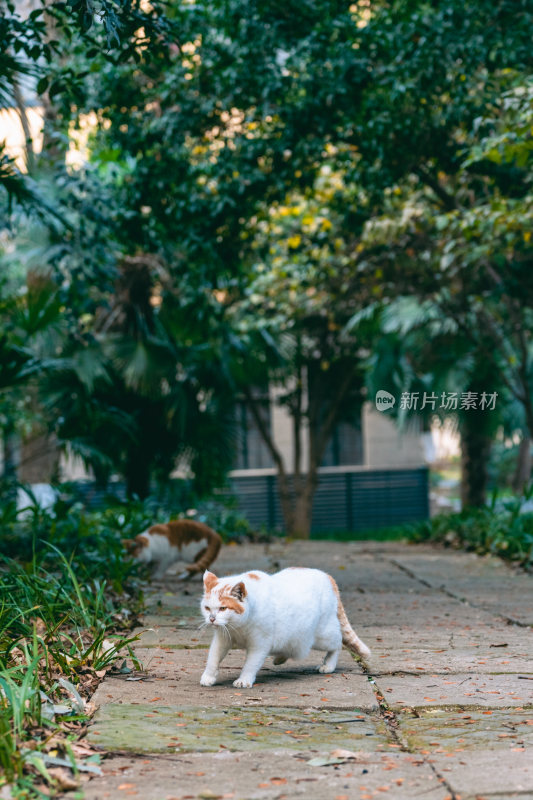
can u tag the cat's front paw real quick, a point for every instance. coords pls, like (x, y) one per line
(325, 669)
(208, 680)
(244, 683)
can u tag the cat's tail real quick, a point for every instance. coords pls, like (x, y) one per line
(349, 637)
(207, 555)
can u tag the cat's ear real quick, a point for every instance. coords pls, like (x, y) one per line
(239, 591)
(210, 579)
(127, 543)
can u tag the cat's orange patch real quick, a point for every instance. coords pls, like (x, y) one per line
(139, 543)
(180, 532)
(335, 587)
(254, 576)
(210, 581)
(231, 602)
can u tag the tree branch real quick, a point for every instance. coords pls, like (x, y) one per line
(447, 200)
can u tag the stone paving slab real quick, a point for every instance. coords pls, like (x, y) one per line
(276, 686)
(268, 776)
(483, 649)
(366, 575)
(168, 661)
(487, 582)
(183, 729)
(484, 772)
(439, 731)
(459, 689)
(171, 635)
(424, 611)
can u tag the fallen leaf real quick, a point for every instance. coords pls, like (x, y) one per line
(63, 778)
(325, 761)
(124, 786)
(340, 753)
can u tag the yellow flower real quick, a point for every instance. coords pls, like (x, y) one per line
(326, 225)
(294, 241)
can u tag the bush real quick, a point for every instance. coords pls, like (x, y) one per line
(504, 529)
(68, 594)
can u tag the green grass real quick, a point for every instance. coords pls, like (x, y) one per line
(385, 534)
(63, 593)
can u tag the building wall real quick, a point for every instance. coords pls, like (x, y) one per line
(282, 429)
(385, 445)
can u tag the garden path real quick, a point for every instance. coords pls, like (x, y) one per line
(443, 708)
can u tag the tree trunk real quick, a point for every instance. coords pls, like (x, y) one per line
(296, 502)
(522, 474)
(475, 450)
(302, 514)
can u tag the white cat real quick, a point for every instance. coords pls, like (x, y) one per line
(163, 544)
(284, 615)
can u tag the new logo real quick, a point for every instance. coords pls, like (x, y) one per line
(384, 400)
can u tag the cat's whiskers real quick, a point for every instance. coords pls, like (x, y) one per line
(226, 631)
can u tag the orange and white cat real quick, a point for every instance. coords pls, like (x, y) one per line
(284, 615)
(165, 543)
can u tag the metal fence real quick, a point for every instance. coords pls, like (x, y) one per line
(346, 499)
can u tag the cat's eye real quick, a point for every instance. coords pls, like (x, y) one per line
(207, 608)
(223, 608)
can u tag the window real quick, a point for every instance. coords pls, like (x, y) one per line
(345, 448)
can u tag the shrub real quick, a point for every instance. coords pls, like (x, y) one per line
(505, 529)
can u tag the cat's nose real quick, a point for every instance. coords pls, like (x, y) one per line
(212, 618)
